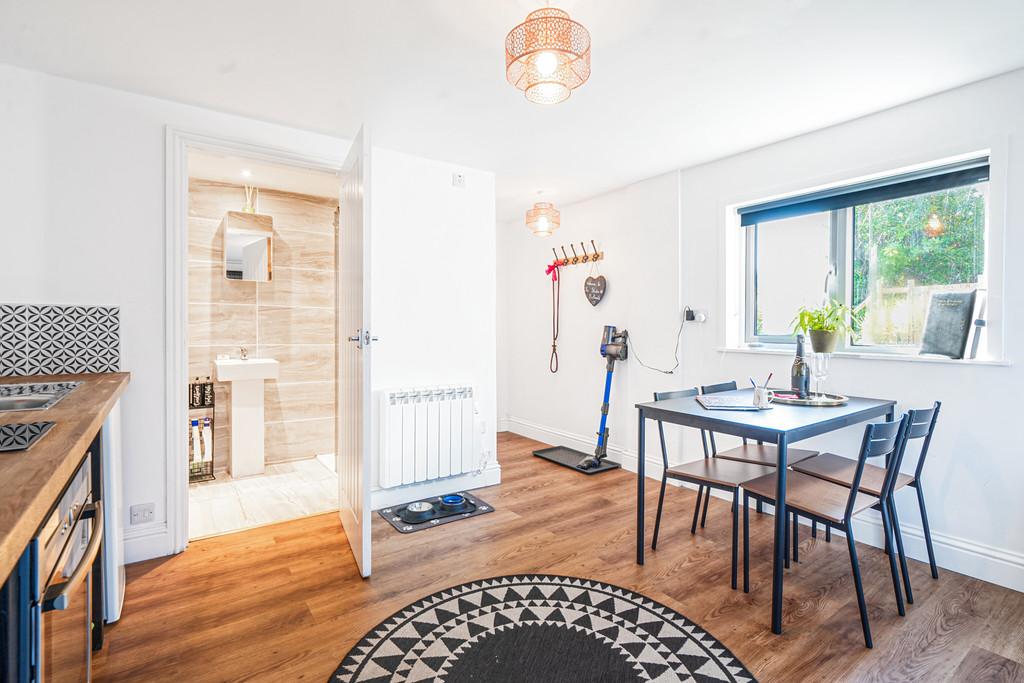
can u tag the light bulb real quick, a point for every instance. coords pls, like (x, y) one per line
(546, 63)
(542, 223)
(246, 173)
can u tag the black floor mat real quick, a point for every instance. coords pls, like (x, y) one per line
(570, 457)
(476, 506)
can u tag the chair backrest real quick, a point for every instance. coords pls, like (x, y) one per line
(714, 389)
(881, 439)
(721, 386)
(921, 425)
(664, 396)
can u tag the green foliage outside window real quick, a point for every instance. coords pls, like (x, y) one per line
(895, 228)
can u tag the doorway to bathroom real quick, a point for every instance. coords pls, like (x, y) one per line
(261, 341)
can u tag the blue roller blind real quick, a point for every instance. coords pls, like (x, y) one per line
(903, 185)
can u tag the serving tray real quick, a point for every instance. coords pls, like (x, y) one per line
(816, 400)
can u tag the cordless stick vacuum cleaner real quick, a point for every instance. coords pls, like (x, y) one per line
(613, 347)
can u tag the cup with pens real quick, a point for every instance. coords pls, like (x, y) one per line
(763, 396)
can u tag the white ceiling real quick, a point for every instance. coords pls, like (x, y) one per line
(240, 171)
(675, 82)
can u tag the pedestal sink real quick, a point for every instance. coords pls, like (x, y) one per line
(247, 378)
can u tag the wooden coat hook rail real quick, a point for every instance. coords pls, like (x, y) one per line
(576, 259)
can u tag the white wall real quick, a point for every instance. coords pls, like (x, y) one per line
(975, 467)
(82, 186)
(434, 293)
(637, 228)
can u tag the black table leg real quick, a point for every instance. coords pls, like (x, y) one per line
(640, 458)
(780, 535)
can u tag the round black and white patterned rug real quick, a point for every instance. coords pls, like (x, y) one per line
(538, 628)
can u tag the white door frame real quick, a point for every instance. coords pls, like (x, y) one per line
(178, 142)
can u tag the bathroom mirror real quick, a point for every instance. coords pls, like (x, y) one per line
(248, 247)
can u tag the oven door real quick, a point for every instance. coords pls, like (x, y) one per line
(66, 607)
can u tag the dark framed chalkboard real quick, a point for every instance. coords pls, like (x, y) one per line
(950, 317)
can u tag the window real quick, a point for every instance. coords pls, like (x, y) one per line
(882, 247)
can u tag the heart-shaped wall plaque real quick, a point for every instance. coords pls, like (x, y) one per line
(594, 289)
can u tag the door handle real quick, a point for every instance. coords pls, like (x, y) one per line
(58, 597)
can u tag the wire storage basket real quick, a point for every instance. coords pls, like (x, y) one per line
(200, 430)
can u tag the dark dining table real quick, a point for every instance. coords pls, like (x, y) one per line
(781, 425)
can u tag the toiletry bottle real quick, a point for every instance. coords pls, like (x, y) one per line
(207, 435)
(196, 455)
(800, 374)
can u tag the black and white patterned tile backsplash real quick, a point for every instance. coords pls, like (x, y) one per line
(54, 340)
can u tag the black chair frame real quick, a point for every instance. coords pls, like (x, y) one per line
(882, 439)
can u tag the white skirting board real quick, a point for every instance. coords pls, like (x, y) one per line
(995, 565)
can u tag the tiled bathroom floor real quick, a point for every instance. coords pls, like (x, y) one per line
(285, 491)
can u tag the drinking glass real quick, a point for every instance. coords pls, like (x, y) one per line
(819, 370)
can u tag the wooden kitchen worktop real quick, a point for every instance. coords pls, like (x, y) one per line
(31, 481)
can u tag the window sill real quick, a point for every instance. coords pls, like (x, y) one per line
(860, 355)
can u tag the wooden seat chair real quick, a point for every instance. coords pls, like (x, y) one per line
(840, 470)
(709, 473)
(758, 453)
(835, 505)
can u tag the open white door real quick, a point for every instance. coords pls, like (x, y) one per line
(353, 355)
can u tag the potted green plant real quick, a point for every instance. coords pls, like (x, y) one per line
(825, 325)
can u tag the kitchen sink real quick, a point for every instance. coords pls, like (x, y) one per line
(35, 396)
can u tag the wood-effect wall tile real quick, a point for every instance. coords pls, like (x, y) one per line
(302, 401)
(207, 284)
(303, 288)
(221, 325)
(302, 363)
(298, 439)
(280, 325)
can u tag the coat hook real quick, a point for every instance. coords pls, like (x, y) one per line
(586, 256)
(575, 257)
(566, 259)
(596, 256)
(554, 252)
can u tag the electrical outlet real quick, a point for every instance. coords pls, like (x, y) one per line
(143, 513)
(458, 180)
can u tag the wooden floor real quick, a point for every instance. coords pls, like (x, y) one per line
(285, 602)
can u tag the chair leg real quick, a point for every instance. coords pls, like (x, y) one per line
(887, 529)
(735, 532)
(828, 533)
(788, 547)
(927, 530)
(796, 537)
(860, 588)
(696, 509)
(704, 514)
(746, 542)
(760, 507)
(899, 549)
(814, 528)
(657, 518)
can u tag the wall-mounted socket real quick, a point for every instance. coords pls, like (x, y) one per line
(143, 513)
(458, 180)
(692, 315)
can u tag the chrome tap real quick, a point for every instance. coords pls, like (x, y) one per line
(243, 353)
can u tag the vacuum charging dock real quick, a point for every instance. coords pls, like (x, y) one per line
(571, 458)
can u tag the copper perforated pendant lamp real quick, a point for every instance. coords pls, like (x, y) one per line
(543, 219)
(547, 56)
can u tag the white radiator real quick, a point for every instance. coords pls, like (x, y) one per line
(427, 434)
